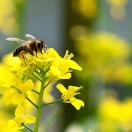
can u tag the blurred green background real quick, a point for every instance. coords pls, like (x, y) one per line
(99, 33)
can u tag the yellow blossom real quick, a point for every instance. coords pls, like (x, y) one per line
(21, 119)
(61, 68)
(44, 60)
(68, 95)
(38, 61)
(12, 63)
(8, 19)
(4, 117)
(110, 56)
(113, 111)
(18, 92)
(87, 8)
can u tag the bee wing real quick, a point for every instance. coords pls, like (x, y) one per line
(16, 40)
(30, 36)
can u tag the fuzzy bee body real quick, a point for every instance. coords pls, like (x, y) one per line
(30, 46)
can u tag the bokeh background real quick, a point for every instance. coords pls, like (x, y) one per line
(99, 33)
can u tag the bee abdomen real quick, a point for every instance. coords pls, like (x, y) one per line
(17, 51)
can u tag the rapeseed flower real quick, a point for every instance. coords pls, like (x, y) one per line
(18, 92)
(46, 67)
(68, 95)
(20, 119)
(4, 118)
(61, 68)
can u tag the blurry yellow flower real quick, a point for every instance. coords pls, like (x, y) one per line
(12, 63)
(104, 55)
(21, 119)
(4, 117)
(88, 8)
(68, 95)
(7, 78)
(8, 20)
(116, 112)
(17, 93)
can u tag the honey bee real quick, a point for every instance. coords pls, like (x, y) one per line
(30, 46)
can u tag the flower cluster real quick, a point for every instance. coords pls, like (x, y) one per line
(115, 113)
(31, 78)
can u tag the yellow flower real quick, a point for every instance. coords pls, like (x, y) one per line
(68, 95)
(40, 61)
(21, 119)
(27, 65)
(8, 18)
(17, 93)
(44, 60)
(6, 77)
(4, 117)
(111, 110)
(11, 63)
(87, 8)
(60, 68)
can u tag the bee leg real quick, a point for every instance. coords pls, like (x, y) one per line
(45, 48)
(41, 51)
(22, 54)
(31, 52)
(35, 48)
(40, 47)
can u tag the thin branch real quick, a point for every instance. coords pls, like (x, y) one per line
(36, 77)
(57, 101)
(32, 103)
(47, 84)
(38, 73)
(27, 128)
(35, 91)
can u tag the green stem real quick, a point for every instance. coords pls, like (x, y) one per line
(38, 73)
(36, 77)
(39, 110)
(35, 91)
(47, 84)
(32, 103)
(57, 101)
(27, 128)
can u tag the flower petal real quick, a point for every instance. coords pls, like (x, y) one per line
(73, 88)
(19, 111)
(65, 76)
(77, 103)
(74, 65)
(18, 98)
(27, 86)
(12, 123)
(30, 119)
(61, 88)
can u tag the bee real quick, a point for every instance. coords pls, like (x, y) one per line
(30, 46)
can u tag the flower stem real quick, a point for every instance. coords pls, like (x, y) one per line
(32, 102)
(39, 110)
(27, 128)
(47, 84)
(57, 101)
(36, 77)
(35, 91)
